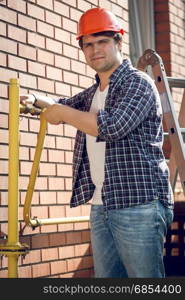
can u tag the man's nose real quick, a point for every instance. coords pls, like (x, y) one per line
(96, 47)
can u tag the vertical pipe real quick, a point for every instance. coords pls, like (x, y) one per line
(13, 174)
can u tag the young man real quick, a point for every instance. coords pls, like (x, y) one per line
(118, 159)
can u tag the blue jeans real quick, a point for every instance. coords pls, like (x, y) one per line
(129, 242)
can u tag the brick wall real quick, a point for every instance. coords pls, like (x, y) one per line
(170, 43)
(38, 46)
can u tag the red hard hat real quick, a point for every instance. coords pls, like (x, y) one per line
(97, 20)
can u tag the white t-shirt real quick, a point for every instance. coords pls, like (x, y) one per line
(96, 150)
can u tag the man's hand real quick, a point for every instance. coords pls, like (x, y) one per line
(53, 114)
(27, 99)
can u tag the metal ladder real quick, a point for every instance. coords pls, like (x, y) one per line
(177, 158)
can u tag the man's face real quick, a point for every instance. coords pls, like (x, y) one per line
(101, 53)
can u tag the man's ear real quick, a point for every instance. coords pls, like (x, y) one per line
(120, 44)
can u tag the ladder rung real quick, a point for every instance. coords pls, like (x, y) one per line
(176, 82)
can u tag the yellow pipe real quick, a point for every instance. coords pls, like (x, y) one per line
(34, 170)
(26, 213)
(13, 175)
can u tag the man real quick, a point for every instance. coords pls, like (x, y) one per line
(118, 160)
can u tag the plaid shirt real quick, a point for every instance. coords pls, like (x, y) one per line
(131, 125)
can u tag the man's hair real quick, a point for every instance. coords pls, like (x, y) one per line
(115, 35)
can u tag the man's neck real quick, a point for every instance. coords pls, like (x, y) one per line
(104, 77)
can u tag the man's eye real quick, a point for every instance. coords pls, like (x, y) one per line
(87, 45)
(103, 41)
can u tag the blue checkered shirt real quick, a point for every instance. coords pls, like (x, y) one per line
(131, 125)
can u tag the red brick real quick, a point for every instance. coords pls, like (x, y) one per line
(66, 252)
(3, 273)
(50, 254)
(85, 236)
(81, 226)
(85, 81)
(25, 168)
(69, 25)
(36, 68)
(46, 3)
(65, 227)
(3, 182)
(28, 81)
(81, 250)
(8, 45)
(41, 183)
(75, 14)
(73, 238)
(17, 5)
(78, 67)
(47, 169)
(68, 183)
(3, 28)
(63, 143)
(56, 239)
(4, 121)
(34, 125)
(63, 89)
(54, 73)
(56, 156)
(68, 157)
(3, 213)
(39, 241)
(17, 33)
(76, 90)
(48, 197)
(53, 18)
(45, 29)
(25, 272)
(4, 133)
(73, 212)
(49, 228)
(54, 46)
(33, 256)
(83, 5)
(73, 264)
(8, 15)
(36, 11)
(7, 74)
(70, 78)
(87, 262)
(70, 2)
(41, 270)
(28, 139)
(46, 85)
(62, 62)
(17, 63)
(56, 183)
(62, 35)
(70, 51)
(61, 8)
(3, 151)
(27, 22)
(36, 39)
(56, 211)
(4, 94)
(45, 57)
(26, 51)
(64, 170)
(23, 183)
(63, 197)
(49, 141)
(58, 267)
(69, 130)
